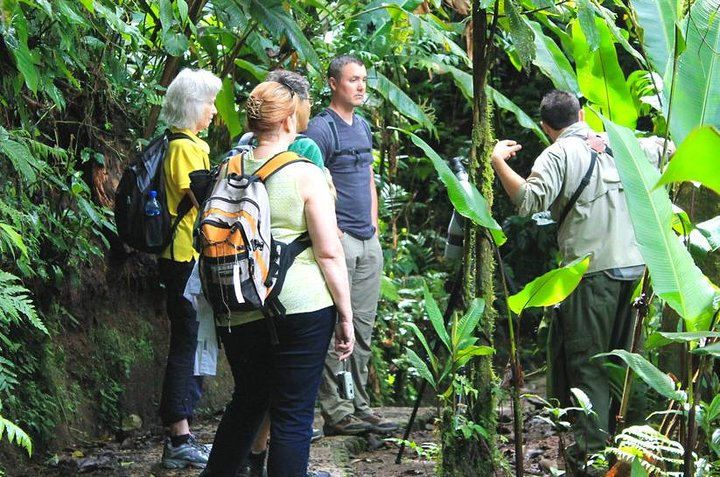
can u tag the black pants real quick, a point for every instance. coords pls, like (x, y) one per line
(181, 390)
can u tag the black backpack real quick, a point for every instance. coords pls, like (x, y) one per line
(147, 233)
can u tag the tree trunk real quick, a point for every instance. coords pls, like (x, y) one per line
(479, 454)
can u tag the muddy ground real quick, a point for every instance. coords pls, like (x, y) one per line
(367, 456)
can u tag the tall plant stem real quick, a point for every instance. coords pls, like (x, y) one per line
(517, 373)
(641, 307)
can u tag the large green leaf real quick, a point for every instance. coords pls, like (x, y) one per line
(696, 159)
(468, 202)
(657, 20)
(651, 375)
(18, 46)
(523, 119)
(436, 317)
(601, 79)
(225, 103)
(712, 350)
(553, 62)
(465, 328)
(278, 21)
(421, 367)
(696, 91)
(521, 34)
(710, 229)
(675, 276)
(586, 21)
(21, 158)
(662, 338)
(397, 97)
(550, 288)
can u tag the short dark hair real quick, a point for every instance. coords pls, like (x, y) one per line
(559, 109)
(295, 81)
(337, 64)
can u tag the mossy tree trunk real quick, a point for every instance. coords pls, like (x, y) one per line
(479, 454)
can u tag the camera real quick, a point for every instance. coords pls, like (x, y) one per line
(456, 232)
(346, 388)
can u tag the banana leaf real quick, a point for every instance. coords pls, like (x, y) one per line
(710, 229)
(553, 62)
(586, 20)
(662, 338)
(526, 121)
(401, 101)
(550, 288)
(470, 204)
(675, 276)
(601, 79)
(272, 14)
(657, 20)
(712, 350)
(225, 103)
(695, 97)
(651, 375)
(696, 159)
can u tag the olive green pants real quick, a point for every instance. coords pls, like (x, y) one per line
(596, 318)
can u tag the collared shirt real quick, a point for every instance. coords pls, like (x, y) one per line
(599, 223)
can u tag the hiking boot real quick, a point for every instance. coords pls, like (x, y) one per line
(189, 454)
(348, 426)
(379, 425)
(317, 434)
(255, 466)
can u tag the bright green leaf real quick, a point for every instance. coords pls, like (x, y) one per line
(436, 317)
(637, 469)
(657, 19)
(712, 350)
(696, 159)
(696, 89)
(600, 77)
(662, 338)
(176, 44)
(675, 276)
(400, 101)
(421, 367)
(225, 103)
(710, 229)
(553, 62)
(586, 20)
(550, 288)
(466, 354)
(469, 203)
(651, 375)
(523, 119)
(89, 5)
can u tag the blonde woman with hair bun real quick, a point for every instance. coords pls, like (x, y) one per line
(284, 378)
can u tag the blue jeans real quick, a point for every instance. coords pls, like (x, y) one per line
(282, 378)
(181, 390)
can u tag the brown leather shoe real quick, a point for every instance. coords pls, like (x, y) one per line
(379, 424)
(347, 426)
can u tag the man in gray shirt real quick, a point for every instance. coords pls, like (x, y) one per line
(345, 141)
(577, 180)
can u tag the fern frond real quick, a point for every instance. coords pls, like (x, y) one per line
(15, 435)
(658, 454)
(15, 302)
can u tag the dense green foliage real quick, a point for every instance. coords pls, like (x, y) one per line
(81, 87)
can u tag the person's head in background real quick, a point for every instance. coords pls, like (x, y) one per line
(271, 111)
(301, 86)
(189, 101)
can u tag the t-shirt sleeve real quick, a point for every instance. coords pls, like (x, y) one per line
(184, 158)
(319, 132)
(306, 147)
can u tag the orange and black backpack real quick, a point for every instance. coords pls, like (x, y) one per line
(242, 268)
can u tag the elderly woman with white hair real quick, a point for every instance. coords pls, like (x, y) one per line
(188, 108)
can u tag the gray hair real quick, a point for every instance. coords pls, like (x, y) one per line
(186, 97)
(296, 82)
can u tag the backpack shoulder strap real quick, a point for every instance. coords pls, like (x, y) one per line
(327, 117)
(366, 126)
(178, 135)
(277, 162)
(596, 146)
